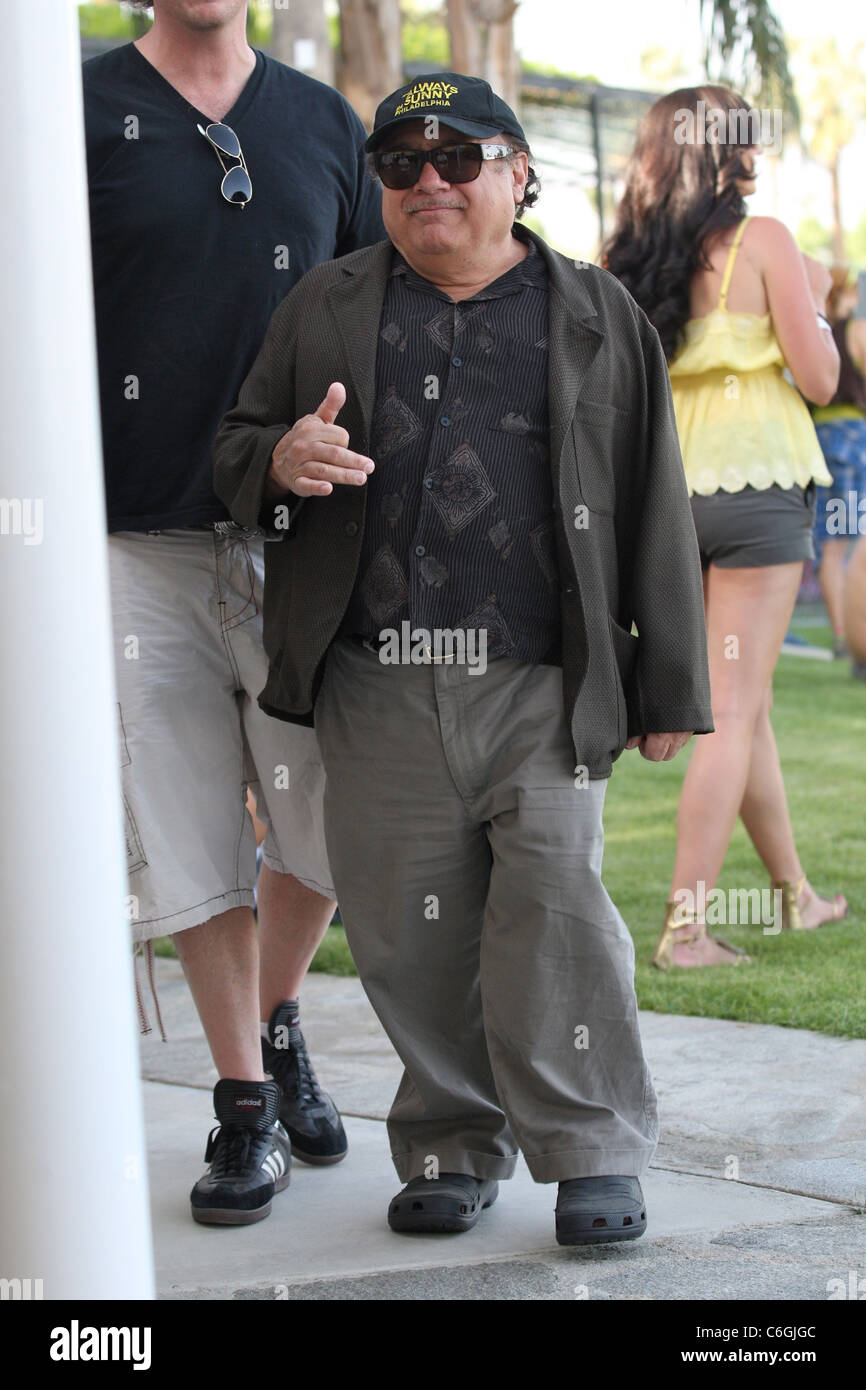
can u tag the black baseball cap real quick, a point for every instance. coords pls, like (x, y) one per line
(466, 104)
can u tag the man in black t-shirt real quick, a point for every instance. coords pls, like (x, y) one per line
(218, 177)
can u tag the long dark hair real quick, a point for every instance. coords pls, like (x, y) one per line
(680, 192)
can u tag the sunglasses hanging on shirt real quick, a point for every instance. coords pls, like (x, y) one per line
(236, 186)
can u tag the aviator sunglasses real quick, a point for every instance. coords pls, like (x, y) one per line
(236, 186)
(453, 163)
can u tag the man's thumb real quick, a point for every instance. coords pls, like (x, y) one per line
(333, 403)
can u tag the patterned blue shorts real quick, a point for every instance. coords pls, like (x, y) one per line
(841, 508)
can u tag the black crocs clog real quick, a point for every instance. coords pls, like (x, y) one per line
(590, 1211)
(451, 1202)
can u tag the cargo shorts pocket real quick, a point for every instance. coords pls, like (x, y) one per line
(135, 856)
(125, 759)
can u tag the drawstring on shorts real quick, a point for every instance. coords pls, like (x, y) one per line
(145, 949)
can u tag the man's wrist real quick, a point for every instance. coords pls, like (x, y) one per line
(273, 489)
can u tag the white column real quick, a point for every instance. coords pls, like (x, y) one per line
(73, 1187)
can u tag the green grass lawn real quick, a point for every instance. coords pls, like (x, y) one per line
(798, 979)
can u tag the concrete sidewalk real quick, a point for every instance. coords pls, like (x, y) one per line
(757, 1190)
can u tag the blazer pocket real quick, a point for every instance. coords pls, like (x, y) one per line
(600, 435)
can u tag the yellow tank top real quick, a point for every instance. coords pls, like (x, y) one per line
(739, 421)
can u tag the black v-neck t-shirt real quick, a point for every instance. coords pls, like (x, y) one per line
(185, 282)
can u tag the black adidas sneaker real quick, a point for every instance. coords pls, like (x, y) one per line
(249, 1154)
(309, 1115)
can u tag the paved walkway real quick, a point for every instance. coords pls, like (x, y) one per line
(757, 1190)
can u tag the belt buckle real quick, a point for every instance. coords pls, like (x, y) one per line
(233, 529)
(439, 659)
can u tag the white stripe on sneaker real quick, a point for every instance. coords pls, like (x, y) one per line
(274, 1165)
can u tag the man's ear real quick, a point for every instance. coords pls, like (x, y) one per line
(520, 174)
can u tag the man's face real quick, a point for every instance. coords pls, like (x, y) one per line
(435, 218)
(199, 14)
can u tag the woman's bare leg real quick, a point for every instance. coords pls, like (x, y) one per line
(831, 577)
(854, 606)
(766, 818)
(748, 611)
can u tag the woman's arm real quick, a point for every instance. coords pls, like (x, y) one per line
(796, 289)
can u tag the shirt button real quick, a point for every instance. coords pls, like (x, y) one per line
(445, 420)
(351, 528)
(569, 589)
(456, 361)
(428, 482)
(419, 550)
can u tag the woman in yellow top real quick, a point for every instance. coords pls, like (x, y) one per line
(734, 303)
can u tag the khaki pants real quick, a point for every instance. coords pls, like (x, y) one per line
(467, 867)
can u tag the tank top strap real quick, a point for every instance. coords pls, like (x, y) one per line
(729, 268)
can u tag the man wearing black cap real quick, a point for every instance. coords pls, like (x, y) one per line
(467, 552)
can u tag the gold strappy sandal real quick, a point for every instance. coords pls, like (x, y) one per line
(664, 952)
(791, 917)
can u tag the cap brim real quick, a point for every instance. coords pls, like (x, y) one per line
(475, 128)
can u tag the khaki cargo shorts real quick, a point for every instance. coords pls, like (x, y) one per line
(189, 660)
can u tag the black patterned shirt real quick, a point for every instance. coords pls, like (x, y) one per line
(459, 529)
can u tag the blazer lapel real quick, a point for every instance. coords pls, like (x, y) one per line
(574, 337)
(356, 306)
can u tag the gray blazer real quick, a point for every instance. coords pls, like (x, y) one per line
(625, 536)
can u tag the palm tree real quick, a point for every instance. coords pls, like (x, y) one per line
(371, 55)
(835, 100)
(300, 37)
(745, 48)
(481, 37)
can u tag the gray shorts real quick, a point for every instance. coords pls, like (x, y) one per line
(767, 526)
(189, 662)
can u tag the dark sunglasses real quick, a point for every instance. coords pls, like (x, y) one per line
(453, 163)
(236, 186)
